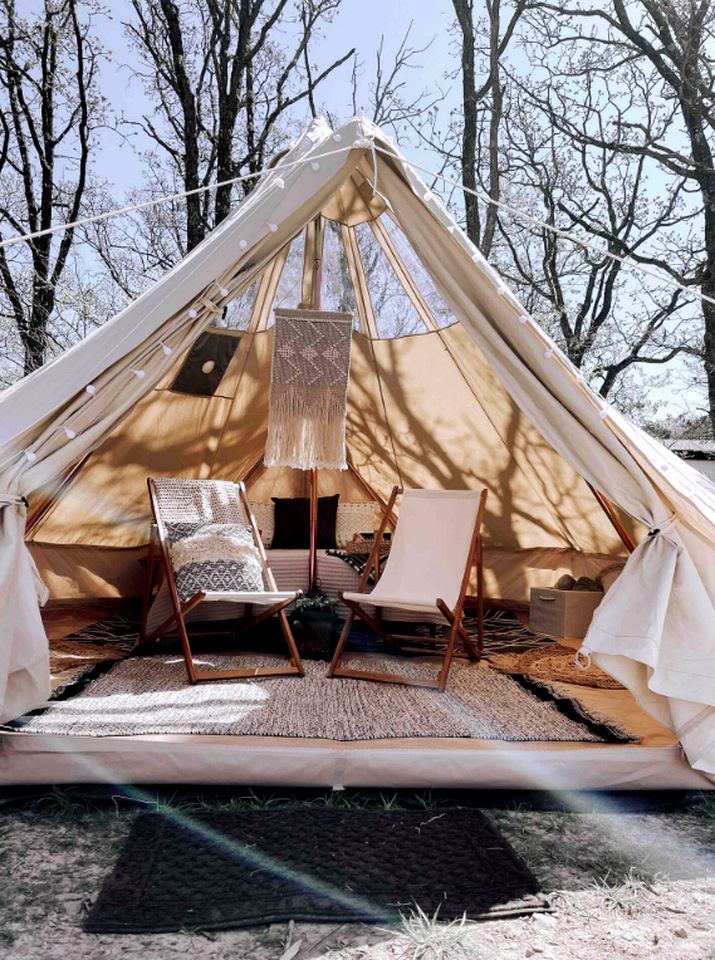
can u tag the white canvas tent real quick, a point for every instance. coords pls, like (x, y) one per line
(655, 628)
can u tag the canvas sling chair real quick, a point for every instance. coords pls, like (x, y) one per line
(436, 543)
(180, 501)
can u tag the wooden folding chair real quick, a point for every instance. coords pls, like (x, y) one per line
(436, 543)
(211, 501)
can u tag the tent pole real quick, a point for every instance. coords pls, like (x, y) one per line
(608, 509)
(316, 303)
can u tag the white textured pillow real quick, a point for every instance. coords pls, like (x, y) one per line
(354, 518)
(217, 557)
(265, 514)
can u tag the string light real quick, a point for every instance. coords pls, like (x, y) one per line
(279, 183)
(193, 313)
(166, 350)
(91, 389)
(315, 166)
(30, 455)
(139, 374)
(524, 318)
(223, 291)
(242, 244)
(605, 411)
(337, 138)
(272, 227)
(549, 353)
(70, 433)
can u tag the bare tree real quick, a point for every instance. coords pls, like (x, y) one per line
(483, 109)
(222, 78)
(608, 319)
(647, 66)
(49, 107)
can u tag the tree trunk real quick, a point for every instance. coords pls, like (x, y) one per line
(464, 11)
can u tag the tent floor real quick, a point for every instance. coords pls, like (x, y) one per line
(656, 763)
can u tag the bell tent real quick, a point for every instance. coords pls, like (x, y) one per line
(456, 388)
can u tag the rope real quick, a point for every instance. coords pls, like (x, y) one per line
(370, 144)
(521, 215)
(85, 221)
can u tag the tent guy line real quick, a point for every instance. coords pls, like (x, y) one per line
(485, 198)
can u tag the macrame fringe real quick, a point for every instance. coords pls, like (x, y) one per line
(306, 432)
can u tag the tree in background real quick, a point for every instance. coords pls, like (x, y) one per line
(222, 78)
(536, 105)
(636, 81)
(49, 107)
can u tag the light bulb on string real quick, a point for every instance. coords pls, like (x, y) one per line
(193, 313)
(273, 227)
(165, 349)
(223, 291)
(91, 389)
(315, 166)
(139, 374)
(279, 183)
(242, 244)
(30, 455)
(70, 433)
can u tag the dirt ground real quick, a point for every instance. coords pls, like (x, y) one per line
(626, 879)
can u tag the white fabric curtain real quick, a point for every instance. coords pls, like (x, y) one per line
(655, 628)
(35, 412)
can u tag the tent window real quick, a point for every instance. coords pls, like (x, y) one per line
(337, 291)
(237, 312)
(441, 313)
(289, 287)
(206, 363)
(394, 312)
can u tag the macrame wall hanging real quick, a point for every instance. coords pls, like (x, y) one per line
(309, 387)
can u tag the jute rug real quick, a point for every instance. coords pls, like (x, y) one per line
(150, 695)
(553, 664)
(229, 870)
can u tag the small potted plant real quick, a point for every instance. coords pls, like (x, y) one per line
(315, 625)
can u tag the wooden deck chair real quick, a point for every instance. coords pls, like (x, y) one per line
(179, 501)
(436, 543)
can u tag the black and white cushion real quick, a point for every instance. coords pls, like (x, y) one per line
(215, 558)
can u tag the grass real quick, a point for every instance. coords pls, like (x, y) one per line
(628, 895)
(426, 937)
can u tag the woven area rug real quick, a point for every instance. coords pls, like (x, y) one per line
(150, 695)
(229, 870)
(72, 657)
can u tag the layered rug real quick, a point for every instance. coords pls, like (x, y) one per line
(105, 641)
(229, 870)
(150, 695)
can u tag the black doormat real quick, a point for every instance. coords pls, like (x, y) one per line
(229, 870)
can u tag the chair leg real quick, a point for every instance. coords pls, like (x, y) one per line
(338, 655)
(449, 653)
(290, 640)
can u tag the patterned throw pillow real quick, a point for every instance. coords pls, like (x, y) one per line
(219, 557)
(354, 518)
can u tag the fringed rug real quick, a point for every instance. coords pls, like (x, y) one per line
(309, 385)
(151, 695)
(228, 870)
(553, 663)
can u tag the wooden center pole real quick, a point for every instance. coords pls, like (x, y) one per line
(316, 302)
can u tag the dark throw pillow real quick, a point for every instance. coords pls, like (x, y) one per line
(292, 529)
